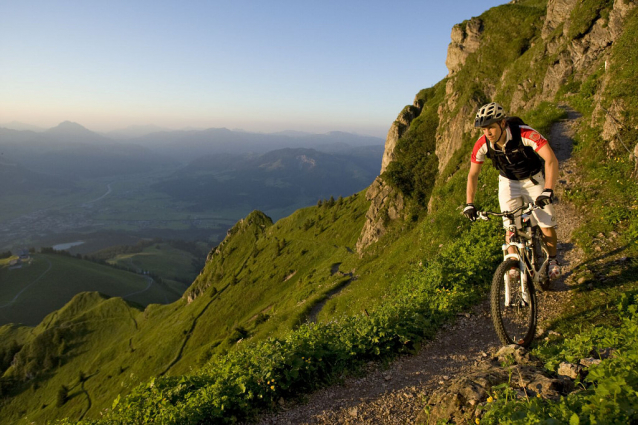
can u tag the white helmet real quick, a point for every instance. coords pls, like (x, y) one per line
(488, 114)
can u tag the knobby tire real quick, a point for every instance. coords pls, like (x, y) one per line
(516, 323)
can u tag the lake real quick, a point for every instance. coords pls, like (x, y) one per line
(66, 246)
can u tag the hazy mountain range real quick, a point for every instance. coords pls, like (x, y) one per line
(218, 174)
(71, 149)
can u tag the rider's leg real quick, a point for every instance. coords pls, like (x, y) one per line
(509, 198)
(546, 220)
(550, 238)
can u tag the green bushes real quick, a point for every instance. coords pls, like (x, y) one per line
(256, 375)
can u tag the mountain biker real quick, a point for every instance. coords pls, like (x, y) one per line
(517, 151)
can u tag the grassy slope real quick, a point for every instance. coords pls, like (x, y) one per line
(52, 280)
(251, 279)
(173, 265)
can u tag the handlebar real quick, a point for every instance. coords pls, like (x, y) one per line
(525, 208)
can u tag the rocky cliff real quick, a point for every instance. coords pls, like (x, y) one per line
(564, 43)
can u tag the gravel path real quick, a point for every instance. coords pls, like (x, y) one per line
(396, 394)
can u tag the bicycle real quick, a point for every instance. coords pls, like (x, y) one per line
(513, 299)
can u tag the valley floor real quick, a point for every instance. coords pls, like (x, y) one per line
(397, 394)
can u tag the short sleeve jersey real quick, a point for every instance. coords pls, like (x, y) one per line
(529, 137)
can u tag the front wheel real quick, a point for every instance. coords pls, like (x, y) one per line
(513, 304)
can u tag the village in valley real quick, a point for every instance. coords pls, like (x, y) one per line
(23, 259)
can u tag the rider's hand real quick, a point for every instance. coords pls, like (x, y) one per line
(545, 198)
(470, 212)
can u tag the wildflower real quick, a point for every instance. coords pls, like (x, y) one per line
(490, 399)
(477, 421)
(272, 387)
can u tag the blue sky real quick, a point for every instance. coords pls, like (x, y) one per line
(256, 65)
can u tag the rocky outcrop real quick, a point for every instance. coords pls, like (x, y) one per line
(464, 399)
(574, 58)
(386, 204)
(558, 12)
(398, 129)
(449, 137)
(613, 117)
(465, 40)
(583, 54)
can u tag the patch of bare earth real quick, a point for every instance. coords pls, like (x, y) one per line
(398, 393)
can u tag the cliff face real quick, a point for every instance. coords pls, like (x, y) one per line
(465, 40)
(569, 43)
(385, 202)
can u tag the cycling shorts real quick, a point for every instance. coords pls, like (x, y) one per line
(513, 193)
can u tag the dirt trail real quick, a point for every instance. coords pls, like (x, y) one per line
(396, 395)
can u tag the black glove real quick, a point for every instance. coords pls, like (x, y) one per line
(545, 198)
(470, 212)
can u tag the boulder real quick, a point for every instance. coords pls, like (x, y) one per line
(459, 400)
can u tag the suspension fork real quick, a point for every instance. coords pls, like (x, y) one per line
(522, 266)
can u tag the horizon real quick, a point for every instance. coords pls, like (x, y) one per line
(11, 126)
(335, 66)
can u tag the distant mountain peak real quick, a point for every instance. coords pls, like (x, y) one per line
(74, 132)
(69, 126)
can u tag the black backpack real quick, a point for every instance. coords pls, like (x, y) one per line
(519, 162)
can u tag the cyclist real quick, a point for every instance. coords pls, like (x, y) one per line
(517, 151)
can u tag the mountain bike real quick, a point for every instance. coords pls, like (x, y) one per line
(513, 295)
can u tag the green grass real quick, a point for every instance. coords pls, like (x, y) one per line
(259, 372)
(173, 265)
(51, 281)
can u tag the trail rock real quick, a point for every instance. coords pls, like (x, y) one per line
(570, 370)
(590, 361)
(456, 401)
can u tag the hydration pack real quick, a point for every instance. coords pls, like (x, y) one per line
(516, 161)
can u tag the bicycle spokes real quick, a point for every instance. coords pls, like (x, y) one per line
(513, 305)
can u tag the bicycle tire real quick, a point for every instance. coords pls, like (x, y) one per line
(514, 323)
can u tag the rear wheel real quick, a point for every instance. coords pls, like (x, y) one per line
(513, 305)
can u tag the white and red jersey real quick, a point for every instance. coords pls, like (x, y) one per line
(529, 137)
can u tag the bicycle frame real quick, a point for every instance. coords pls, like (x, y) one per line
(522, 239)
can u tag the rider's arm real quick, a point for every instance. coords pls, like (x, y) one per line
(551, 166)
(472, 181)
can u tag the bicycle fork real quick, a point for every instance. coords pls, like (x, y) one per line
(522, 270)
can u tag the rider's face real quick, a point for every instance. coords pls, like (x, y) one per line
(493, 131)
